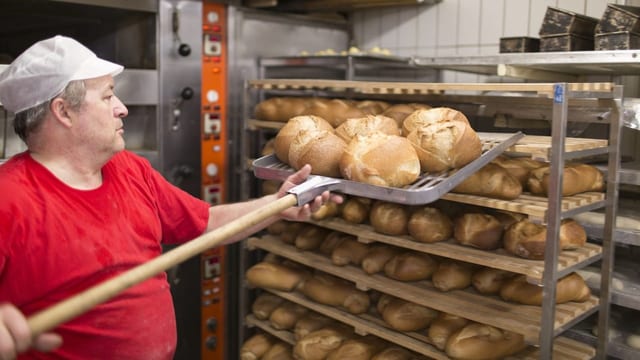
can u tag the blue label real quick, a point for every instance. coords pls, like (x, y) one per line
(558, 95)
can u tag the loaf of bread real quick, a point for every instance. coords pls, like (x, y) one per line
(349, 251)
(576, 178)
(389, 218)
(411, 266)
(264, 305)
(279, 351)
(443, 139)
(489, 280)
(383, 301)
(335, 111)
(478, 230)
(528, 240)
(518, 167)
(322, 149)
(288, 236)
(285, 316)
(356, 210)
(366, 160)
(256, 346)
(333, 239)
(366, 126)
(274, 276)
(290, 130)
(491, 181)
(360, 348)
(327, 210)
(281, 109)
(442, 327)
(310, 237)
(507, 218)
(429, 225)
(372, 107)
(399, 112)
(479, 342)
(377, 257)
(569, 288)
(333, 291)
(394, 353)
(309, 323)
(403, 315)
(318, 344)
(277, 227)
(452, 275)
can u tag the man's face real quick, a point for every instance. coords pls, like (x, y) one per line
(98, 124)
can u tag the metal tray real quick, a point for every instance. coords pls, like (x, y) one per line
(427, 189)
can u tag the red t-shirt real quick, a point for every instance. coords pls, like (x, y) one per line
(56, 241)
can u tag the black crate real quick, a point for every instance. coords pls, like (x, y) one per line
(565, 42)
(559, 22)
(621, 40)
(619, 18)
(519, 44)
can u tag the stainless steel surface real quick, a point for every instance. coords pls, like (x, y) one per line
(140, 5)
(427, 189)
(137, 87)
(616, 347)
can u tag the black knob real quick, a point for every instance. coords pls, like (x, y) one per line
(187, 93)
(184, 50)
(211, 342)
(212, 324)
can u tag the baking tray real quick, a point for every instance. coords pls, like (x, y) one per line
(428, 188)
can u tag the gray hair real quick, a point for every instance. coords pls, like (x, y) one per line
(27, 121)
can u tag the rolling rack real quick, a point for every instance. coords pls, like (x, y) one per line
(541, 327)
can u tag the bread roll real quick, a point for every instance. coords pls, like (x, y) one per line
(279, 351)
(452, 275)
(268, 148)
(264, 305)
(377, 256)
(288, 132)
(491, 181)
(481, 231)
(383, 301)
(333, 239)
(442, 140)
(518, 167)
(310, 322)
(280, 109)
(570, 288)
(335, 111)
(361, 348)
(288, 236)
(322, 149)
(366, 126)
(366, 160)
(310, 237)
(489, 280)
(326, 211)
(429, 225)
(507, 218)
(442, 327)
(479, 342)
(394, 353)
(277, 227)
(318, 344)
(528, 240)
(399, 112)
(349, 251)
(356, 210)
(285, 316)
(410, 266)
(576, 178)
(389, 218)
(373, 107)
(256, 346)
(333, 291)
(273, 276)
(403, 315)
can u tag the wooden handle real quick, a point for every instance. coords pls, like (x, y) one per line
(78, 304)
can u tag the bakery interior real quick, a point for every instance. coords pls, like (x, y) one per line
(444, 261)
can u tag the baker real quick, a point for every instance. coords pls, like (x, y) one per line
(77, 209)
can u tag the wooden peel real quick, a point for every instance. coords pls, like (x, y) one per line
(78, 304)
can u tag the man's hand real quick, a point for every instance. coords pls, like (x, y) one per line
(15, 335)
(302, 213)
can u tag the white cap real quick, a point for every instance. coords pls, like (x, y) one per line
(42, 71)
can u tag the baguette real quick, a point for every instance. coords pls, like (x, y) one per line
(403, 315)
(264, 305)
(285, 316)
(256, 346)
(377, 257)
(489, 281)
(318, 344)
(442, 327)
(493, 181)
(310, 322)
(394, 353)
(410, 266)
(310, 237)
(279, 351)
(362, 348)
(333, 291)
(479, 342)
(349, 251)
(570, 288)
(274, 276)
(576, 178)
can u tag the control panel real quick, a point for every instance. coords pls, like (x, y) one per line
(214, 172)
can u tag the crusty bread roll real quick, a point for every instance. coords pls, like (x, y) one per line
(318, 344)
(399, 112)
(373, 107)
(333, 239)
(360, 348)
(410, 266)
(310, 237)
(277, 227)
(356, 210)
(274, 276)
(429, 225)
(442, 327)
(489, 280)
(507, 218)
(443, 139)
(394, 353)
(279, 351)
(518, 167)
(527, 239)
(349, 251)
(366, 160)
(491, 180)
(403, 315)
(280, 109)
(383, 301)
(327, 210)
(256, 346)
(310, 322)
(285, 316)
(478, 230)
(322, 149)
(389, 218)
(290, 130)
(333, 291)
(269, 147)
(452, 275)
(570, 288)
(288, 236)
(335, 111)
(366, 126)
(576, 178)
(377, 256)
(264, 305)
(479, 342)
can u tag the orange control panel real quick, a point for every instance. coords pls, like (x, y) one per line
(214, 171)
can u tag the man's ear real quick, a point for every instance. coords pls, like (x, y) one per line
(60, 111)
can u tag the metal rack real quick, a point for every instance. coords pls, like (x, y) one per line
(555, 96)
